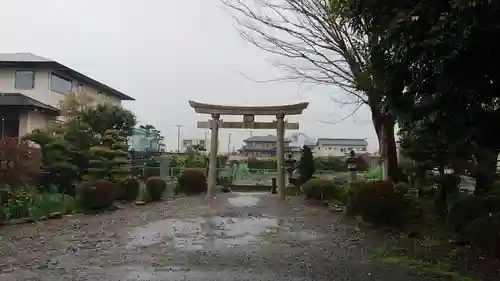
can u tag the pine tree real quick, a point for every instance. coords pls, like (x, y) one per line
(306, 165)
(110, 159)
(57, 163)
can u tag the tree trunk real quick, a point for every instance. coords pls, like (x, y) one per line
(384, 126)
(486, 168)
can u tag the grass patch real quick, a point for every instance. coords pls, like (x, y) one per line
(38, 205)
(437, 268)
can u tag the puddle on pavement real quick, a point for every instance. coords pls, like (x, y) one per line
(198, 233)
(244, 199)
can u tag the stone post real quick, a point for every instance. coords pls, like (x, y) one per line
(165, 174)
(280, 155)
(212, 166)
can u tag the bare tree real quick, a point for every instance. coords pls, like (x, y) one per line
(319, 47)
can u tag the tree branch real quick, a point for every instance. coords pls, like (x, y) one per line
(319, 47)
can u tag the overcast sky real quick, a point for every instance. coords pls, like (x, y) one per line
(166, 52)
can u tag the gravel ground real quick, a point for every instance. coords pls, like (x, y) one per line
(242, 236)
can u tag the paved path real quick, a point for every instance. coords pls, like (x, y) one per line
(245, 236)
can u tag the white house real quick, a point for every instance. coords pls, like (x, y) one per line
(32, 87)
(326, 147)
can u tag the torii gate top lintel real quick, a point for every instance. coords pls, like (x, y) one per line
(248, 113)
(290, 109)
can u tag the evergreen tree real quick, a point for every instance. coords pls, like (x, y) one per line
(109, 159)
(58, 164)
(306, 165)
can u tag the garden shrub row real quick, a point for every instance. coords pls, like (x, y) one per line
(477, 218)
(27, 202)
(324, 189)
(102, 194)
(337, 164)
(23, 201)
(192, 182)
(474, 217)
(378, 202)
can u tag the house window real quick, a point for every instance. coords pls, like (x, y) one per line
(25, 79)
(60, 84)
(363, 149)
(342, 149)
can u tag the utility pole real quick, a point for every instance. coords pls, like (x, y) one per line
(206, 140)
(229, 144)
(179, 137)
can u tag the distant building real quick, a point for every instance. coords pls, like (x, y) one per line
(32, 87)
(142, 141)
(265, 146)
(200, 143)
(326, 147)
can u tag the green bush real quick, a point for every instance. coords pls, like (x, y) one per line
(376, 202)
(129, 189)
(262, 164)
(414, 209)
(322, 189)
(330, 164)
(192, 181)
(24, 202)
(97, 195)
(484, 234)
(19, 201)
(373, 174)
(469, 208)
(155, 187)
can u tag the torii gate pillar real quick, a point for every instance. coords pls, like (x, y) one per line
(248, 113)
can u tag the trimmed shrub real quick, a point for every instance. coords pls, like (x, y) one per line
(322, 189)
(467, 209)
(155, 187)
(98, 195)
(376, 201)
(192, 181)
(129, 189)
(484, 234)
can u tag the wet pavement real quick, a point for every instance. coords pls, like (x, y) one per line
(243, 236)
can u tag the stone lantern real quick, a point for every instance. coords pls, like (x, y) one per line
(351, 165)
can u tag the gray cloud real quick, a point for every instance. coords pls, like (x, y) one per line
(165, 52)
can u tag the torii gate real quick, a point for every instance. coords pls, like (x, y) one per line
(248, 113)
